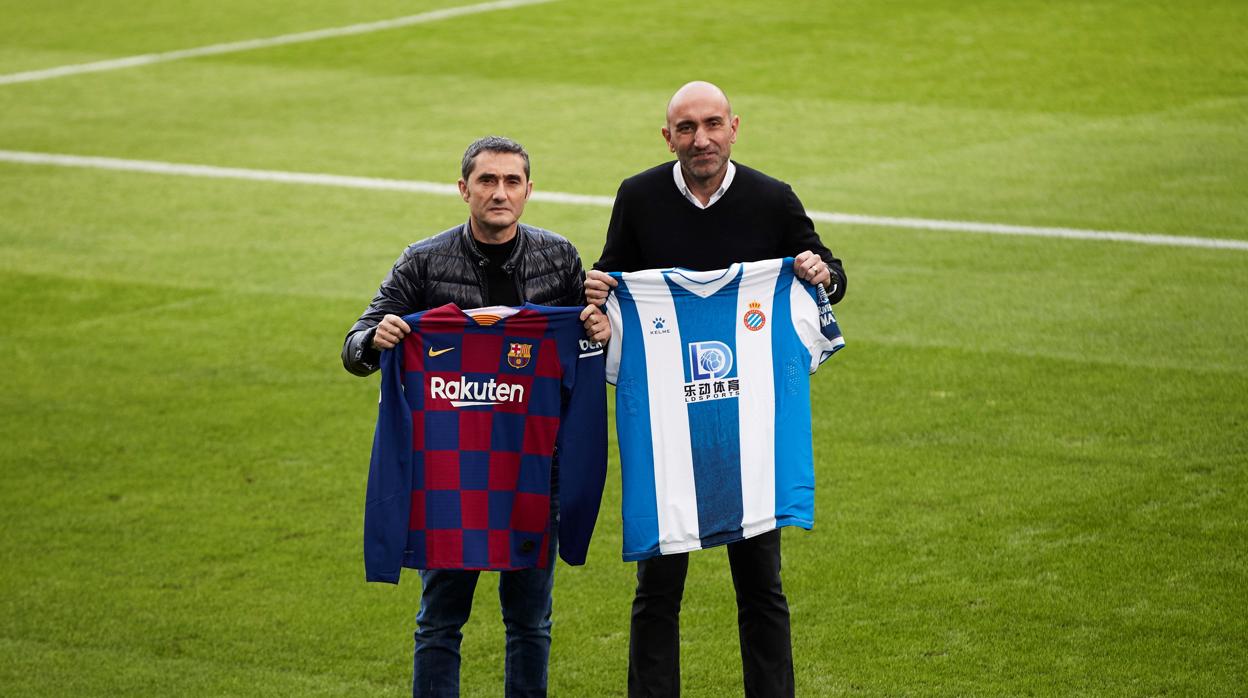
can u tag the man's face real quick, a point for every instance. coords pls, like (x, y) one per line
(701, 131)
(496, 190)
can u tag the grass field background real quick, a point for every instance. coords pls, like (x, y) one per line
(1031, 454)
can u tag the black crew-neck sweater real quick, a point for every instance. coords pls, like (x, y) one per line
(654, 226)
(501, 285)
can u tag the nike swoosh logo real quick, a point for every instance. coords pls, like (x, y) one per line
(439, 352)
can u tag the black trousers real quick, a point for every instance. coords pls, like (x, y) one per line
(762, 620)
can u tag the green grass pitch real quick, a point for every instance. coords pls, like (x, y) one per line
(1031, 455)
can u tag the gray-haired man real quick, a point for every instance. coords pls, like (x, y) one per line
(492, 259)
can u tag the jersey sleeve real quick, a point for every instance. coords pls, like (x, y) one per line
(387, 506)
(813, 320)
(582, 451)
(616, 318)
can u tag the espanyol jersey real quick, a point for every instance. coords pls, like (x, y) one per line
(713, 402)
(474, 406)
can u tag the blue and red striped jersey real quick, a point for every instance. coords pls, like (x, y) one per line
(475, 405)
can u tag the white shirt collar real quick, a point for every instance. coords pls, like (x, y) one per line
(684, 188)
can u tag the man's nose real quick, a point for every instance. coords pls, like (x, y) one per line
(699, 138)
(499, 193)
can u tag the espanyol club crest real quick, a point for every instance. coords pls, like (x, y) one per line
(754, 318)
(519, 354)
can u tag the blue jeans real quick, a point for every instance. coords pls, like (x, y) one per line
(446, 601)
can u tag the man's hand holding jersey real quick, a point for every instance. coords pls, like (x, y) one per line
(390, 332)
(597, 326)
(811, 268)
(597, 285)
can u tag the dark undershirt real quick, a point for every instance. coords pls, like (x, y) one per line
(502, 288)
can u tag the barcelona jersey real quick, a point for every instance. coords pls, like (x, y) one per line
(475, 407)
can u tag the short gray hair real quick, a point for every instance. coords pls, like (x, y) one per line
(493, 144)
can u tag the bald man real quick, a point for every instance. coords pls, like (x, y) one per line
(706, 212)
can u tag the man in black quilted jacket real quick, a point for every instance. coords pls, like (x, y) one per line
(492, 259)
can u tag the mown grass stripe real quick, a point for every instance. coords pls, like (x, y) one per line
(253, 44)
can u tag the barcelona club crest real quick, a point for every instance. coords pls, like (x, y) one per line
(754, 318)
(519, 354)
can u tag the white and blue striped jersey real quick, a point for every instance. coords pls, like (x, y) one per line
(713, 402)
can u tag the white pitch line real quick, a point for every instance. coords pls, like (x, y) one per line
(172, 168)
(440, 189)
(252, 44)
(1003, 229)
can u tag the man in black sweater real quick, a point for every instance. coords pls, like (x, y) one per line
(706, 212)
